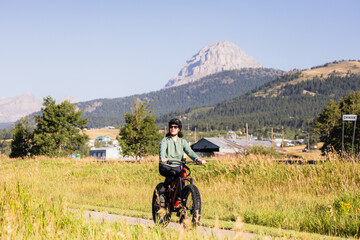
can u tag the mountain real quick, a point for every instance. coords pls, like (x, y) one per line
(67, 98)
(293, 99)
(217, 57)
(217, 72)
(206, 91)
(13, 108)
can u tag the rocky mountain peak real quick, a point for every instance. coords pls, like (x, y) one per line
(13, 108)
(214, 58)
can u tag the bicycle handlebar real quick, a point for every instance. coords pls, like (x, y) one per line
(184, 162)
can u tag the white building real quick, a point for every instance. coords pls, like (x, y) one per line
(106, 153)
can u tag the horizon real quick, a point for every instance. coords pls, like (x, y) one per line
(89, 50)
(75, 100)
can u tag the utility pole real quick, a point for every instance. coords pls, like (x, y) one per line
(195, 135)
(309, 141)
(247, 134)
(207, 127)
(272, 137)
(352, 145)
(282, 144)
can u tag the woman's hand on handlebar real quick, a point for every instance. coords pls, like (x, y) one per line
(202, 162)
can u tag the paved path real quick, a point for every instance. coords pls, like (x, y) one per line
(221, 233)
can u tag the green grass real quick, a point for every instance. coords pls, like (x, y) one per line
(321, 198)
(24, 215)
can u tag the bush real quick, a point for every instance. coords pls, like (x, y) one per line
(261, 150)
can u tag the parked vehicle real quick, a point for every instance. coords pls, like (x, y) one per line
(306, 150)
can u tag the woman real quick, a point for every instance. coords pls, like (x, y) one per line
(172, 147)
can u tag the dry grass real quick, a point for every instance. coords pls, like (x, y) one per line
(341, 69)
(321, 198)
(314, 154)
(94, 133)
(32, 206)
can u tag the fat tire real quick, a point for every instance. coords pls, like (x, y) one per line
(155, 209)
(195, 214)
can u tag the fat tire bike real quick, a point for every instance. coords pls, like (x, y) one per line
(182, 197)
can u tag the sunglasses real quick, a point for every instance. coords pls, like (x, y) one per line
(174, 127)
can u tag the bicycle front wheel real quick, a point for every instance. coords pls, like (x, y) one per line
(191, 211)
(161, 215)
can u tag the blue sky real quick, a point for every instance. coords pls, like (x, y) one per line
(108, 49)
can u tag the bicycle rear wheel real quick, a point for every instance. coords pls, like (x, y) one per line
(161, 215)
(191, 212)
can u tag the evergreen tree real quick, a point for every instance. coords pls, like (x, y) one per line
(58, 131)
(140, 136)
(329, 123)
(21, 144)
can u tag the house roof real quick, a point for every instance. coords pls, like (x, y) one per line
(212, 143)
(225, 143)
(103, 137)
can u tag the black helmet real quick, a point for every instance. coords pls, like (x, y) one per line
(175, 121)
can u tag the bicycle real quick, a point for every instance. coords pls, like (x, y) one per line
(182, 198)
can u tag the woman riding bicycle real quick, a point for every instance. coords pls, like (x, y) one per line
(172, 147)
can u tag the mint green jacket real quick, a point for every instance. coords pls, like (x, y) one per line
(175, 151)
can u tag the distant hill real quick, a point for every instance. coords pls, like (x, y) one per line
(6, 125)
(292, 99)
(13, 108)
(206, 91)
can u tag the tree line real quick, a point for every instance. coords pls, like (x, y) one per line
(206, 91)
(58, 132)
(291, 105)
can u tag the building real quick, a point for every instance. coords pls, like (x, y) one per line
(218, 147)
(104, 138)
(108, 127)
(104, 141)
(105, 153)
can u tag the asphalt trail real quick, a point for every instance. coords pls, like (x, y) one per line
(207, 232)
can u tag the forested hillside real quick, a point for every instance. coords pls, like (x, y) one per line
(206, 91)
(293, 100)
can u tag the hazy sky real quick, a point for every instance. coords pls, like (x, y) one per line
(106, 49)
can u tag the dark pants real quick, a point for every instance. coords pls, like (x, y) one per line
(171, 173)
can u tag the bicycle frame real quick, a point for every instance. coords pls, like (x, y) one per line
(178, 185)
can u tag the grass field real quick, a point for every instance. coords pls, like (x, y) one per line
(26, 215)
(321, 198)
(314, 154)
(94, 133)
